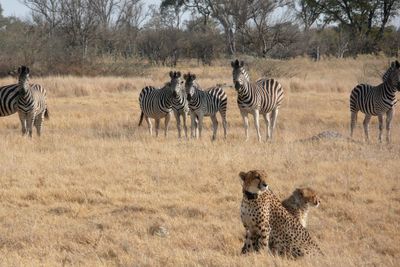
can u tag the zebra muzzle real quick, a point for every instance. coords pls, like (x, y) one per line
(237, 85)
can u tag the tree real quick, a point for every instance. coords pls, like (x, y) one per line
(360, 17)
(308, 12)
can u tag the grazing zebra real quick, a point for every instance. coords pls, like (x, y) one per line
(261, 97)
(205, 103)
(157, 103)
(376, 101)
(180, 107)
(31, 104)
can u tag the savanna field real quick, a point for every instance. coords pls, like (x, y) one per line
(97, 190)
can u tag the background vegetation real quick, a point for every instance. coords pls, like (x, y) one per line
(121, 37)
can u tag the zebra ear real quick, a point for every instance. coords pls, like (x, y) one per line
(194, 77)
(178, 74)
(19, 70)
(235, 64)
(185, 76)
(241, 63)
(171, 74)
(397, 64)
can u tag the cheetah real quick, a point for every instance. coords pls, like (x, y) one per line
(268, 223)
(299, 203)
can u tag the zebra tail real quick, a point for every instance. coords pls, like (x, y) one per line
(46, 114)
(141, 118)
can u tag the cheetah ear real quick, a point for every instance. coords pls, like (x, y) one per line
(242, 176)
(300, 192)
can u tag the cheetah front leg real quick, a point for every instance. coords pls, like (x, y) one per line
(247, 243)
(262, 238)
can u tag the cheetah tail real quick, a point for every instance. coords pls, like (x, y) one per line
(46, 114)
(141, 118)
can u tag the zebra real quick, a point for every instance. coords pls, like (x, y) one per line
(157, 103)
(261, 97)
(376, 101)
(31, 104)
(205, 103)
(180, 107)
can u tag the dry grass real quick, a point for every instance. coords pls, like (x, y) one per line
(96, 190)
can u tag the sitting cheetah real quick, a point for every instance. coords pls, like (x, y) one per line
(300, 202)
(268, 223)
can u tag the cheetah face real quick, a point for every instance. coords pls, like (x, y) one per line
(307, 196)
(254, 181)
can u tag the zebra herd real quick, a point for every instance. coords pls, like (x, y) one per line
(182, 95)
(263, 96)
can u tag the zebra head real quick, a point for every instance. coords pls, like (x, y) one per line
(189, 85)
(176, 83)
(392, 75)
(239, 74)
(23, 76)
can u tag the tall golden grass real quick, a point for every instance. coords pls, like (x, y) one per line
(96, 190)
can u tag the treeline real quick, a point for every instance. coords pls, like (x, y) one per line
(119, 36)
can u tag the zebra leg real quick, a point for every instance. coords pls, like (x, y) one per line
(149, 125)
(224, 123)
(353, 121)
(184, 115)
(22, 118)
(380, 120)
(29, 123)
(389, 117)
(157, 124)
(274, 116)
(166, 124)
(246, 124)
(178, 123)
(200, 125)
(193, 124)
(256, 115)
(38, 123)
(267, 125)
(366, 125)
(215, 126)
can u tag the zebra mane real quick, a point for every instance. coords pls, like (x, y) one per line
(393, 67)
(387, 73)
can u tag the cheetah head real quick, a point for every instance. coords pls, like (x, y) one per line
(306, 197)
(254, 181)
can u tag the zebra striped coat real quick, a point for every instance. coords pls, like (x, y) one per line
(261, 97)
(205, 103)
(8, 99)
(157, 103)
(376, 101)
(31, 104)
